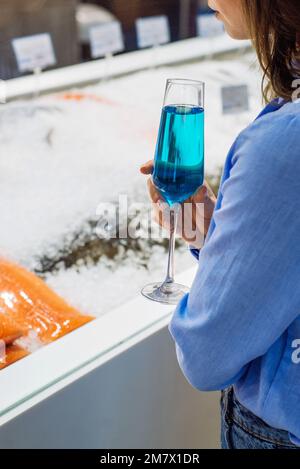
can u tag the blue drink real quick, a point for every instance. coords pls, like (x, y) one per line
(178, 167)
(179, 158)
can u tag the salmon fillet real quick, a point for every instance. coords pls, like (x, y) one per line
(9, 329)
(13, 354)
(28, 304)
(78, 96)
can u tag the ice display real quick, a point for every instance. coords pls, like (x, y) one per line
(63, 154)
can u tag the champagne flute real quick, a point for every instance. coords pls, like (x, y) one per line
(178, 167)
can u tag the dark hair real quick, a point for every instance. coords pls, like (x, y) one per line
(275, 31)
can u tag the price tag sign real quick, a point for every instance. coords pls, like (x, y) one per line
(152, 31)
(106, 39)
(235, 99)
(34, 52)
(209, 26)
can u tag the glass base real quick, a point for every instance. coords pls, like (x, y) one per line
(166, 293)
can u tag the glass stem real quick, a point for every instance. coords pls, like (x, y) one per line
(170, 272)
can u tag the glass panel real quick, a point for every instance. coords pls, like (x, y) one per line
(74, 209)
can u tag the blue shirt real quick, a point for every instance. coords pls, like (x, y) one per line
(240, 323)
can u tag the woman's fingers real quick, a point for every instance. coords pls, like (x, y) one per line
(147, 168)
(155, 196)
(158, 215)
(153, 192)
(204, 194)
(196, 212)
(200, 195)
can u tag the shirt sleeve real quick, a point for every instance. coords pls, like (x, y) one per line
(195, 252)
(246, 290)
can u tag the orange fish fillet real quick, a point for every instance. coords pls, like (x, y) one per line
(30, 304)
(9, 329)
(77, 96)
(13, 354)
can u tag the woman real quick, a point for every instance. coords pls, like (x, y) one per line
(239, 327)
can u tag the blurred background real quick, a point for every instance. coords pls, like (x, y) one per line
(68, 22)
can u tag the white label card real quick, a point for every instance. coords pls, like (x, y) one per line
(209, 26)
(106, 39)
(34, 52)
(152, 31)
(235, 99)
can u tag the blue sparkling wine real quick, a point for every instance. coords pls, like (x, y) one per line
(179, 157)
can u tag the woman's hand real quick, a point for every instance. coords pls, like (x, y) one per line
(196, 212)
